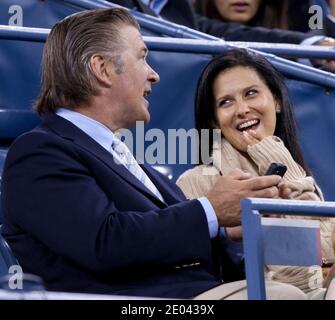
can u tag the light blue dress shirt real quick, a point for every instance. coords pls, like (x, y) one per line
(104, 136)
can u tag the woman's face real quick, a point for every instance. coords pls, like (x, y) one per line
(243, 102)
(237, 10)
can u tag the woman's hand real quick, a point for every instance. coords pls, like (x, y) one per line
(252, 137)
(284, 190)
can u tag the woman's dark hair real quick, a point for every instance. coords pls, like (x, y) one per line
(205, 115)
(271, 13)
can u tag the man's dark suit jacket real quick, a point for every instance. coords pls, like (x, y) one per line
(85, 224)
(182, 12)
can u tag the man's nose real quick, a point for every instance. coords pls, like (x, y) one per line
(153, 75)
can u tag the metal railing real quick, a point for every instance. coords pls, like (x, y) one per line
(289, 68)
(252, 210)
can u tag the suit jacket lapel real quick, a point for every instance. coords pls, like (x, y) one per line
(170, 192)
(69, 131)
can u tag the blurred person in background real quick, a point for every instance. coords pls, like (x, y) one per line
(182, 12)
(291, 15)
(285, 15)
(262, 13)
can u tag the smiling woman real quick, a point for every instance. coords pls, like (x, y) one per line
(241, 94)
(245, 107)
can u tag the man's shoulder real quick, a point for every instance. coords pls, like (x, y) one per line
(35, 137)
(36, 141)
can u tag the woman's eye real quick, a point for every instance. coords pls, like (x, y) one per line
(251, 92)
(224, 103)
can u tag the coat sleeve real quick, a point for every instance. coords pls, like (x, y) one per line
(237, 32)
(49, 192)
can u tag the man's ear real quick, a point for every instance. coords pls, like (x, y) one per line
(102, 69)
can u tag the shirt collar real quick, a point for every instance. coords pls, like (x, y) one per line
(96, 130)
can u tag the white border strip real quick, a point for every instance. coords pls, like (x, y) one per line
(290, 222)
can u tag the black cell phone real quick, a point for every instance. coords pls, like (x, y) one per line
(327, 263)
(276, 168)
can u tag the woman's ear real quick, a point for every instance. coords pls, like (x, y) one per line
(102, 69)
(277, 107)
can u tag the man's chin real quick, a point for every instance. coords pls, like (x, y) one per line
(142, 120)
(147, 120)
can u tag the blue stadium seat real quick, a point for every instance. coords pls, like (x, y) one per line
(30, 282)
(14, 122)
(7, 258)
(3, 153)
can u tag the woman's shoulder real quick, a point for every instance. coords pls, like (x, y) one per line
(200, 171)
(196, 182)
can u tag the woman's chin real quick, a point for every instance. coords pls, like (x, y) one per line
(241, 146)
